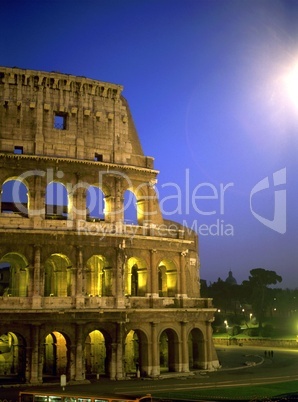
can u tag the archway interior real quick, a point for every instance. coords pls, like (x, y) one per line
(14, 197)
(168, 351)
(57, 276)
(12, 361)
(55, 355)
(130, 208)
(56, 201)
(136, 277)
(96, 361)
(98, 276)
(132, 354)
(167, 278)
(14, 275)
(196, 349)
(95, 204)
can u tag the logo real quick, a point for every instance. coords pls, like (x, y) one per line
(279, 221)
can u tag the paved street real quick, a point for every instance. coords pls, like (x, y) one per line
(239, 366)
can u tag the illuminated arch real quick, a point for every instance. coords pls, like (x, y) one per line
(136, 353)
(15, 274)
(97, 355)
(58, 276)
(167, 278)
(136, 277)
(56, 354)
(98, 279)
(12, 354)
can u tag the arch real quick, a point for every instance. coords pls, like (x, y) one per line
(56, 354)
(14, 197)
(57, 276)
(136, 277)
(196, 351)
(167, 278)
(57, 201)
(14, 275)
(130, 208)
(12, 356)
(136, 353)
(95, 204)
(96, 354)
(169, 350)
(98, 278)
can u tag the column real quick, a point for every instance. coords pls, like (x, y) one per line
(37, 201)
(28, 358)
(185, 359)
(40, 362)
(119, 351)
(118, 213)
(80, 300)
(79, 202)
(155, 357)
(113, 362)
(34, 354)
(154, 274)
(120, 274)
(72, 363)
(209, 347)
(36, 299)
(182, 287)
(39, 138)
(80, 370)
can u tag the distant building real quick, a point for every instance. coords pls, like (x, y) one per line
(230, 279)
(82, 292)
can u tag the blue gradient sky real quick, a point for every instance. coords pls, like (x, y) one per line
(205, 83)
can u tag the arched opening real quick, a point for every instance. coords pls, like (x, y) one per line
(167, 278)
(56, 201)
(14, 275)
(55, 355)
(135, 354)
(95, 203)
(12, 356)
(57, 276)
(136, 277)
(98, 276)
(196, 349)
(168, 351)
(14, 197)
(96, 361)
(130, 208)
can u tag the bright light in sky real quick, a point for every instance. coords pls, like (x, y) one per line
(291, 81)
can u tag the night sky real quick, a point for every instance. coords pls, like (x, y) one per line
(208, 84)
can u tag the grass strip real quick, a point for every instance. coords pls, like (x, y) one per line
(246, 392)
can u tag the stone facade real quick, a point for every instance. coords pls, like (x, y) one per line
(84, 290)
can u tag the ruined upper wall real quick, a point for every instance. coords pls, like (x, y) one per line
(54, 114)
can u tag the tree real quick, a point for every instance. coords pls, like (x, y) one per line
(258, 283)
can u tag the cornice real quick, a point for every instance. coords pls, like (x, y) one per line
(107, 165)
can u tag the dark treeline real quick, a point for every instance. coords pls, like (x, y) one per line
(257, 302)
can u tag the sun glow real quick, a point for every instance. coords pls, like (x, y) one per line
(291, 81)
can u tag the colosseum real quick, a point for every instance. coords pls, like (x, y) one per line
(93, 280)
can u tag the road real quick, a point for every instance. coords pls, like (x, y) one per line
(240, 366)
